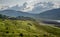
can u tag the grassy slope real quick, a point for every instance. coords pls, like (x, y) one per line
(19, 28)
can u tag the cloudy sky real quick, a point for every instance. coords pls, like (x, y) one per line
(30, 3)
(20, 2)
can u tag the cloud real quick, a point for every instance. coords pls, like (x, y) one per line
(20, 2)
(56, 5)
(41, 6)
(12, 2)
(29, 5)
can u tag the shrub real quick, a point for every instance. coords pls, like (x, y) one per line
(21, 34)
(29, 24)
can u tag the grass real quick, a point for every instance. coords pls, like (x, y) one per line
(20, 28)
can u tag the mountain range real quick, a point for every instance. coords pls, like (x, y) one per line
(15, 13)
(50, 14)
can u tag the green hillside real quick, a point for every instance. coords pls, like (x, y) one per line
(26, 28)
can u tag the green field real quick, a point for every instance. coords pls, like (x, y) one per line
(26, 28)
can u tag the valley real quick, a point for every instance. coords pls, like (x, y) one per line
(29, 18)
(20, 24)
(26, 27)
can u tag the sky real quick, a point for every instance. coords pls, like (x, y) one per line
(30, 3)
(20, 2)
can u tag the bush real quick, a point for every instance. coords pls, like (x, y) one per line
(21, 34)
(29, 24)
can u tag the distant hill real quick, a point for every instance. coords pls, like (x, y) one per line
(16, 13)
(50, 14)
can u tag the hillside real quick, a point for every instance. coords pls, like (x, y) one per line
(21, 28)
(51, 14)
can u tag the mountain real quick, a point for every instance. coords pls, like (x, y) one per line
(51, 14)
(16, 13)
